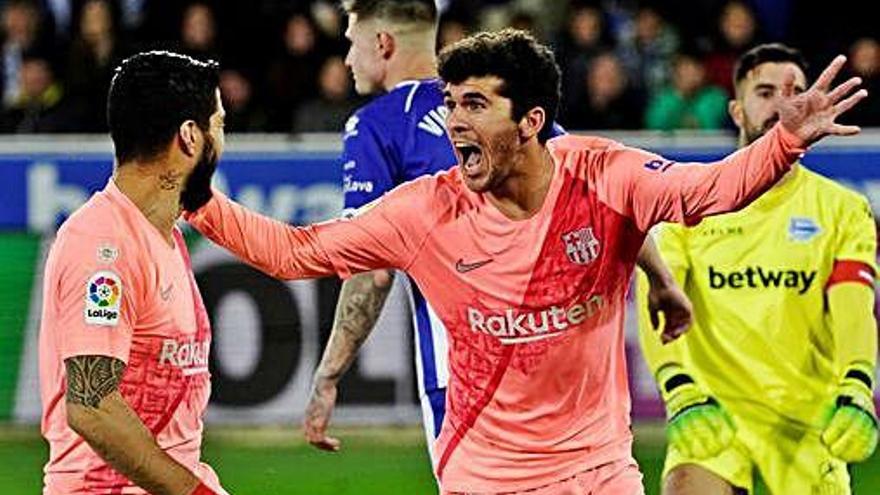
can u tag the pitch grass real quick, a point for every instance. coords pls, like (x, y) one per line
(373, 461)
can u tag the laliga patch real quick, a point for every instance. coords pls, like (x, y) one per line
(103, 299)
(803, 229)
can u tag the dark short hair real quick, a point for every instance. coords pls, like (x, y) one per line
(152, 94)
(527, 68)
(422, 11)
(767, 53)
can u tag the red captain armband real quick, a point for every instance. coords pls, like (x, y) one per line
(851, 271)
(203, 490)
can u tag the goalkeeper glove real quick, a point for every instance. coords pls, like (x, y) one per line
(851, 432)
(696, 425)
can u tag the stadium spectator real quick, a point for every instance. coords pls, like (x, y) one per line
(198, 32)
(96, 49)
(737, 32)
(451, 29)
(40, 106)
(293, 75)
(329, 111)
(524, 21)
(608, 102)
(646, 40)
(648, 49)
(328, 20)
(243, 113)
(864, 62)
(21, 33)
(690, 102)
(584, 38)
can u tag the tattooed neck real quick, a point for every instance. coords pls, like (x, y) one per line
(171, 180)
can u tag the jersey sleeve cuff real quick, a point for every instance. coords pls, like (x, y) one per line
(196, 218)
(791, 143)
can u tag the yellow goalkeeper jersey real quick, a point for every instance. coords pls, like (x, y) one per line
(757, 278)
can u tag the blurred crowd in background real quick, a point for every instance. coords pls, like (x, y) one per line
(627, 64)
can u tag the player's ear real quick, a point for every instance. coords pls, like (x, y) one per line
(531, 123)
(386, 44)
(734, 108)
(187, 138)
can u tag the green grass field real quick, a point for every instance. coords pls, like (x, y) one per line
(373, 461)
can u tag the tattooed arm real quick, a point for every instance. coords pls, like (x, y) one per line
(99, 414)
(360, 302)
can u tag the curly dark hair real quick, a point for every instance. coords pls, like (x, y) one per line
(767, 53)
(421, 11)
(152, 94)
(527, 68)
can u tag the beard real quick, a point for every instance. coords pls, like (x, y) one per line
(752, 134)
(197, 187)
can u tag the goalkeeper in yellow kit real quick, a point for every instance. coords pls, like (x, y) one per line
(777, 373)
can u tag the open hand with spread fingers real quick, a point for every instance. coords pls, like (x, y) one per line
(812, 114)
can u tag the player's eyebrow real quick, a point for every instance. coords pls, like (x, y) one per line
(470, 95)
(798, 88)
(761, 86)
(474, 95)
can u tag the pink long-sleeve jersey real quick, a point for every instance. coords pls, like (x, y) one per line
(534, 308)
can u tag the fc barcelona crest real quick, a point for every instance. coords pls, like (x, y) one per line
(581, 246)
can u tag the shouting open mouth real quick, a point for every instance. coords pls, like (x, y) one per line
(470, 156)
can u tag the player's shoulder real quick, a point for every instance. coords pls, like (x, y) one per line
(433, 194)
(433, 185)
(575, 151)
(404, 99)
(97, 232)
(831, 191)
(576, 142)
(567, 144)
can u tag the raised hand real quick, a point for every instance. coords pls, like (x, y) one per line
(811, 115)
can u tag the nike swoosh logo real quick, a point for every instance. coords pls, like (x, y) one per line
(463, 267)
(166, 292)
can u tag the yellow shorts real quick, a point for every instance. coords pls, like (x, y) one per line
(790, 458)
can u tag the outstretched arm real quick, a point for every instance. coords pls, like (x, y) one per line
(650, 189)
(99, 414)
(387, 234)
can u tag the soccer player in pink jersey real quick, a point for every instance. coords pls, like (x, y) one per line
(525, 251)
(124, 337)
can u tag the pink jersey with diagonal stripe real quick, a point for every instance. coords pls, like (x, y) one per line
(538, 384)
(114, 286)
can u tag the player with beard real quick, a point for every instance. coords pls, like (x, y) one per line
(525, 251)
(124, 337)
(397, 137)
(778, 373)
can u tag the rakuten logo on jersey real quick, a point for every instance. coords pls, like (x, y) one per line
(512, 327)
(191, 357)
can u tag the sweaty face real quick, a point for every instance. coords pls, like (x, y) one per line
(758, 95)
(482, 130)
(364, 56)
(197, 187)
